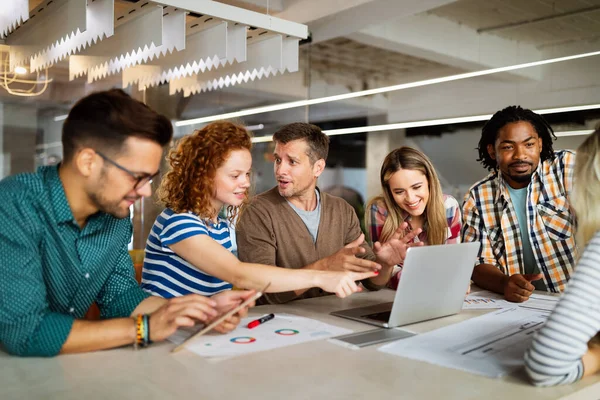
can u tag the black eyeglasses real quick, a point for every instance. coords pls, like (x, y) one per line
(140, 180)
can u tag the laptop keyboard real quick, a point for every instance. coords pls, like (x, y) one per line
(380, 316)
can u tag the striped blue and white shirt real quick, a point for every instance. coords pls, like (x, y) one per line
(166, 274)
(554, 357)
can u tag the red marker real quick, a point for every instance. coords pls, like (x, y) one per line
(257, 322)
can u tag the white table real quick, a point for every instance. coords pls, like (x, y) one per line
(306, 371)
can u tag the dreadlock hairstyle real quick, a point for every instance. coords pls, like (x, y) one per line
(511, 114)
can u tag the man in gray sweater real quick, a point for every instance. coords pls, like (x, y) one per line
(295, 225)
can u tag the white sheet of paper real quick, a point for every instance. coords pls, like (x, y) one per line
(540, 302)
(485, 299)
(283, 330)
(491, 345)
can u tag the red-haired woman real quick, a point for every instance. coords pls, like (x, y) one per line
(189, 249)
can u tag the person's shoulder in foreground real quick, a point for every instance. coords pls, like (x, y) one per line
(567, 347)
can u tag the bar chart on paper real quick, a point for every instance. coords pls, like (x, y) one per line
(482, 303)
(492, 345)
(485, 299)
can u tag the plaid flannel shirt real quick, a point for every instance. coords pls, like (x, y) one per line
(490, 218)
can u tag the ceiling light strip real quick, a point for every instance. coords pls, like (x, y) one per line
(574, 133)
(303, 103)
(449, 121)
(262, 139)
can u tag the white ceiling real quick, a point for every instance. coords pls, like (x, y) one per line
(540, 22)
(359, 65)
(359, 44)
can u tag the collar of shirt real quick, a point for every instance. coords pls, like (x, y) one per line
(210, 225)
(60, 204)
(58, 198)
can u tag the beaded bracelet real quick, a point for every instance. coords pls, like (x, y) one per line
(142, 331)
(139, 331)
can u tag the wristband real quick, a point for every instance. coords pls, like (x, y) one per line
(142, 331)
(147, 340)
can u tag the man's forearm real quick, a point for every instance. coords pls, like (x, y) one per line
(88, 336)
(488, 277)
(100, 335)
(149, 305)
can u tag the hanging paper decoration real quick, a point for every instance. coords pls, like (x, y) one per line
(267, 57)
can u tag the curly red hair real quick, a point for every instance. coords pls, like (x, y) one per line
(188, 186)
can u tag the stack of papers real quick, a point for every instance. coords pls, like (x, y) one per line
(491, 345)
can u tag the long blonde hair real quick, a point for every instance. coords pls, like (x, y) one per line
(435, 212)
(586, 196)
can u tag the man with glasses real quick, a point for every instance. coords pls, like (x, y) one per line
(141, 180)
(65, 234)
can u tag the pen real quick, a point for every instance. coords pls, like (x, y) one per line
(257, 322)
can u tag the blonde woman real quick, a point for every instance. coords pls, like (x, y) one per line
(412, 200)
(566, 348)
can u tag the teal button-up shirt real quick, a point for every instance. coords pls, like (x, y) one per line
(51, 270)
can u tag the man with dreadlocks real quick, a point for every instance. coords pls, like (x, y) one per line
(520, 212)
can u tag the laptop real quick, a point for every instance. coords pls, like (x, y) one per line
(433, 284)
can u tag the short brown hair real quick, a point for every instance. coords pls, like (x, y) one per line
(104, 120)
(318, 142)
(189, 186)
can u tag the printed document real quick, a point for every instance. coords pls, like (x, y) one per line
(485, 299)
(283, 330)
(491, 345)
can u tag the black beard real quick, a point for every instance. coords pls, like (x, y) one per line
(521, 178)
